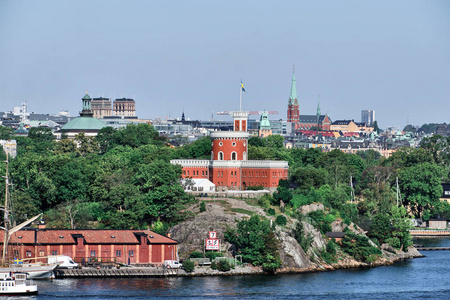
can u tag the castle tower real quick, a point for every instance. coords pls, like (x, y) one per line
(293, 114)
(231, 145)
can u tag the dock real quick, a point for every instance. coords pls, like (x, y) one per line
(416, 232)
(122, 272)
(433, 248)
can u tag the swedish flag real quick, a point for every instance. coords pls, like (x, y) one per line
(242, 87)
(17, 261)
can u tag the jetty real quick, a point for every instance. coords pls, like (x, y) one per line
(442, 232)
(122, 272)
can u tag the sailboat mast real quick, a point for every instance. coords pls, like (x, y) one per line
(6, 214)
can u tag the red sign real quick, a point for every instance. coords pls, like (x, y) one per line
(212, 244)
(213, 235)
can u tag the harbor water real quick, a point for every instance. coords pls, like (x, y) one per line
(420, 278)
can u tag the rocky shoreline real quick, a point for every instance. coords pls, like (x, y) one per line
(386, 260)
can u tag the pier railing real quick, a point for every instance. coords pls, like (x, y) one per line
(429, 232)
(97, 261)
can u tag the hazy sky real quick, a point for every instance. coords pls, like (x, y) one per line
(389, 56)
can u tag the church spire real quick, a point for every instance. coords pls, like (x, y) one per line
(293, 98)
(318, 107)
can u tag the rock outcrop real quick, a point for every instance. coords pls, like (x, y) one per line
(191, 235)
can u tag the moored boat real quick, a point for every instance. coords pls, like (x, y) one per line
(35, 271)
(14, 284)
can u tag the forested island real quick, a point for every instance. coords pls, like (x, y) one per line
(123, 179)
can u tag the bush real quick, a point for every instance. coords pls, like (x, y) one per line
(214, 265)
(223, 265)
(281, 220)
(271, 212)
(265, 201)
(202, 206)
(394, 242)
(196, 254)
(255, 188)
(212, 255)
(188, 266)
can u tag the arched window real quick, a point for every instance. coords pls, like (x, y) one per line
(233, 156)
(244, 156)
(220, 155)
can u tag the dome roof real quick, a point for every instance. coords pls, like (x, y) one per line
(84, 123)
(86, 97)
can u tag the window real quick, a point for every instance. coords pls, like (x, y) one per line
(28, 253)
(220, 155)
(54, 252)
(41, 253)
(118, 253)
(131, 253)
(92, 253)
(16, 253)
(233, 156)
(233, 144)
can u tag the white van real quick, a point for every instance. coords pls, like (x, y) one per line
(172, 264)
(63, 261)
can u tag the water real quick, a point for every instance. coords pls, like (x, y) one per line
(420, 278)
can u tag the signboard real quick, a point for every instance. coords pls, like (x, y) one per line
(213, 235)
(212, 244)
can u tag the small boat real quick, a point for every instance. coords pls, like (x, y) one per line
(13, 284)
(34, 270)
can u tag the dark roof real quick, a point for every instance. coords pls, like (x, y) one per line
(125, 99)
(336, 235)
(100, 98)
(438, 219)
(311, 118)
(342, 122)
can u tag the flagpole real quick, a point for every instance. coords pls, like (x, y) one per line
(240, 97)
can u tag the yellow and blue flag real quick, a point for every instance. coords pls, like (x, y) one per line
(242, 87)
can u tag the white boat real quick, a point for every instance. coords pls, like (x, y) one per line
(12, 284)
(35, 270)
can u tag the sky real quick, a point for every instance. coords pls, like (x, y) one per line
(173, 56)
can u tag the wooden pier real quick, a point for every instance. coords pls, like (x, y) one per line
(432, 248)
(416, 232)
(122, 272)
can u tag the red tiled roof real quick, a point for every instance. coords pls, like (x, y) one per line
(19, 237)
(56, 236)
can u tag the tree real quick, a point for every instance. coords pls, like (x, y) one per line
(255, 241)
(375, 127)
(421, 186)
(5, 133)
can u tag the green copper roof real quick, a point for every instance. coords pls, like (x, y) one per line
(84, 123)
(86, 97)
(264, 121)
(293, 98)
(318, 108)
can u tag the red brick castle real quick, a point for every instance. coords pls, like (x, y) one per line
(229, 167)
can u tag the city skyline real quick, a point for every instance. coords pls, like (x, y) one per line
(174, 57)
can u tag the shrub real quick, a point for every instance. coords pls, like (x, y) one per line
(223, 265)
(394, 242)
(214, 265)
(265, 201)
(212, 255)
(299, 234)
(188, 266)
(255, 188)
(196, 254)
(202, 206)
(281, 220)
(271, 212)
